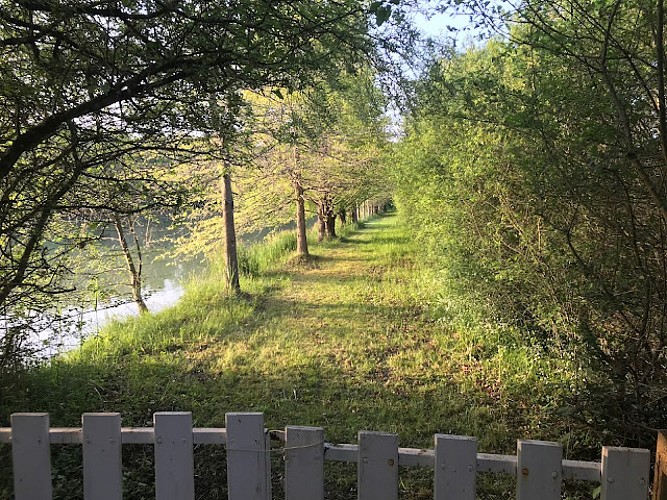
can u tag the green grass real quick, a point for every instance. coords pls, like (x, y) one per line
(259, 258)
(364, 336)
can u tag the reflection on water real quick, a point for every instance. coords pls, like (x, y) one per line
(103, 291)
(92, 307)
(89, 321)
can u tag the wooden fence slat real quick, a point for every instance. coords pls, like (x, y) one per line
(304, 463)
(660, 472)
(31, 456)
(377, 466)
(248, 460)
(538, 466)
(625, 473)
(102, 462)
(174, 463)
(539, 472)
(455, 467)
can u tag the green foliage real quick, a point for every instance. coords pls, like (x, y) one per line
(516, 178)
(85, 90)
(257, 259)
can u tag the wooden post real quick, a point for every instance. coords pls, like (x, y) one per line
(102, 462)
(455, 467)
(660, 472)
(625, 473)
(248, 460)
(304, 463)
(377, 466)
(31, 456)
(539, 473)
(174, 462)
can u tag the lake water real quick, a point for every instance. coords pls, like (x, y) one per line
(103, 290)
(85, 322)
(163, 281)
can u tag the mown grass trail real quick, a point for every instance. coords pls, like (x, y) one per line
(349, 341)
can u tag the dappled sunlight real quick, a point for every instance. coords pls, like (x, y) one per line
(348, 343)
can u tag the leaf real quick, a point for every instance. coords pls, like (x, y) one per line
(382, 14)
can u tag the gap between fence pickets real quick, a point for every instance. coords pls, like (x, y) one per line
(407, 457)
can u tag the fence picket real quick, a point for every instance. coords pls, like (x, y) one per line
(660, 471)
(625, 473)
(455, 467)
(377, 466)
(304, 463)
(102, 462)
(174, 463)
(248, 461)
(538, 466)
(539, 472)
(31, 456)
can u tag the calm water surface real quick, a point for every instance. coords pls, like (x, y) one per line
(163, 282)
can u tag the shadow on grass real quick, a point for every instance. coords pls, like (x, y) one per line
(314, 394)
(317, 362)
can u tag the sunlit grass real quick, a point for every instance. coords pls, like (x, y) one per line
(363, 336)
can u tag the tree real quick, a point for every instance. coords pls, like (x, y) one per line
(231, 257)
(134, 260)
(83, 85)
(320, 145)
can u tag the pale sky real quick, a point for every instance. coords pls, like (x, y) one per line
(437, 24)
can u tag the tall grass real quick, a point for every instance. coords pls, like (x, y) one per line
(204, 311)
(258, 258)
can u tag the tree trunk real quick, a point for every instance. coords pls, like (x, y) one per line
(301, 239)
(328, 217)
(330, 225)
(321, 223)
(342, 215)
(231, 257)
(134, 270)
(355, 214)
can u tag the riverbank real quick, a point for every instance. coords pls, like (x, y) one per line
(360, 337)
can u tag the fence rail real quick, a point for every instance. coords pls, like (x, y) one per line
(539, 466)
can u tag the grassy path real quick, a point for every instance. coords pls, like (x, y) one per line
(345, 342)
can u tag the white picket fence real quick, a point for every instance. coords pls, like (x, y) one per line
(538, 466)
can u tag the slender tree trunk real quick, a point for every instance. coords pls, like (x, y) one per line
(327, 215)
(355, 214)
(342, 215)
(301, 239)
(331, 226)
(133, 269)
(321, 223)
(330, 221)
(231, 257)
